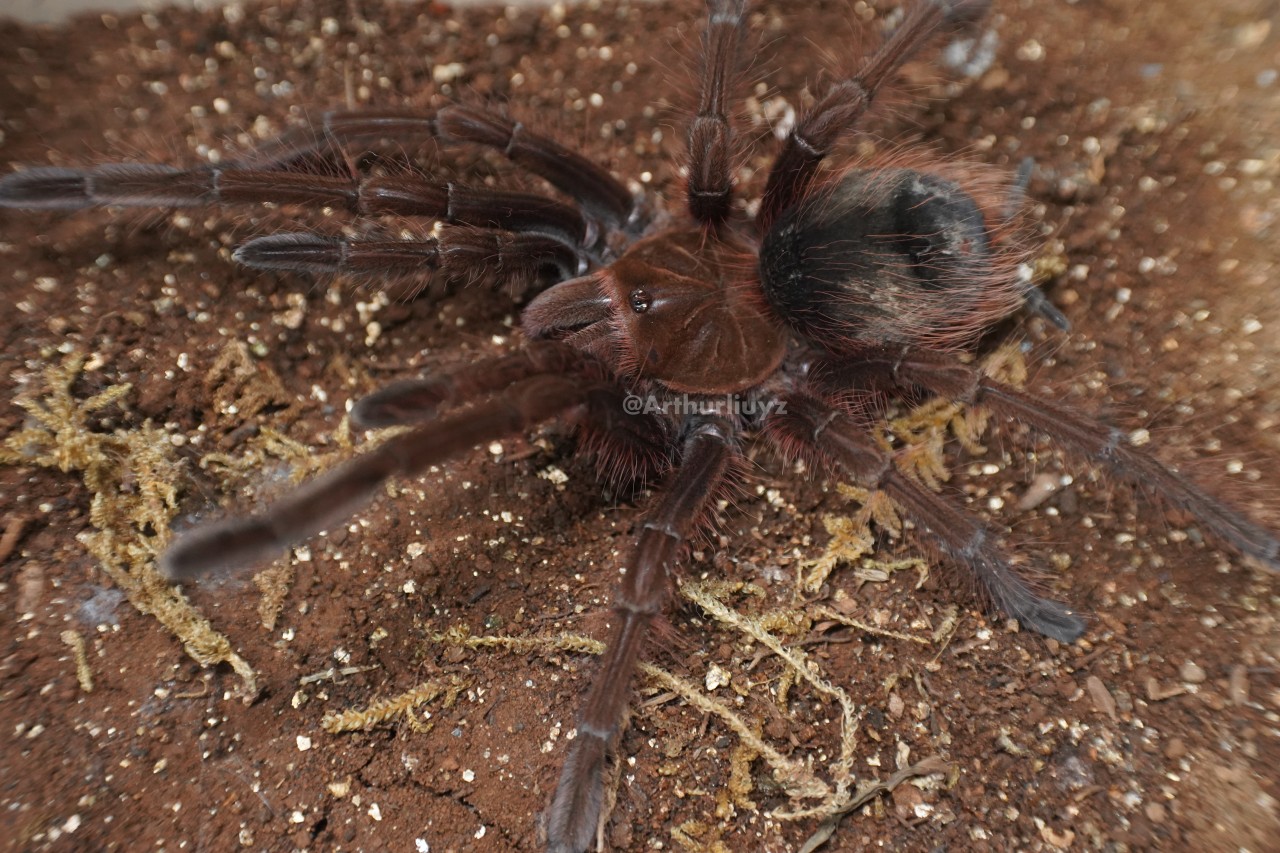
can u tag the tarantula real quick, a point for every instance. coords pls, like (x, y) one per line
(850, 283)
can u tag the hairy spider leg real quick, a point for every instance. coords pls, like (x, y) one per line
(512, 234)
(1033, 296)
(710, 181)
(590, 184)
(708, 450)
(838, 112)
(600, 194)
(942, 375)
(411, 401)
(335, 496)
(461, 253)
(517, 233)
(628, 448)
(809, 427)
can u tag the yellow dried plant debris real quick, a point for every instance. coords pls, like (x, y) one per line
(403, 704)
(850, 541)
(1007, 364)
(268, 449)
(841, 770)
(923, 435)
(794, 775)
(131, 476)
(700, 837)
(274, 582)
(1047, 267)
(84, 675)
(241, 387)
(564, 642)
(851, 538)
(737, 794)
(799, 778)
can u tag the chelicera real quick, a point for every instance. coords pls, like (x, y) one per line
(852, 282)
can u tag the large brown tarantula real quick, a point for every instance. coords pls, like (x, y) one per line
(850, 283)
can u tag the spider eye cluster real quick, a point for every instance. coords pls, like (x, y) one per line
(640, 300)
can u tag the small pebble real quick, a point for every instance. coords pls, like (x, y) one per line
(1175, 749)
(717, 676)
(1238, 684)
(1213, 701)
(1101, 696)
(1040, 490)
(905, 800)
(1192, 673)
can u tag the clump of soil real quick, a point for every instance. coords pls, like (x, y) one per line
(1154, 130)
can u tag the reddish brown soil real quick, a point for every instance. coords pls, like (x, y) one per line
(1155, 128)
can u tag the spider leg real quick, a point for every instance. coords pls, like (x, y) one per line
(601, 195)
(708, 450)
(460, 252)
(149, 184)
(838, 111)
(810, 426)
(1103, 445)
(629, 447)
(547, 232)
(334, 496)
(411, 401)
(1037, 303)
(1032, 294)
(710, 134)
(590, 184)
(299, 152)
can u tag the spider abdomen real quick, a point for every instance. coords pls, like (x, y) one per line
(887, 256)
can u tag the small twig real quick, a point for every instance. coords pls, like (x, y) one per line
(661, 699)
(860, 625)
(13, 529)
(332, 673)
(191, 694)
(866, 792)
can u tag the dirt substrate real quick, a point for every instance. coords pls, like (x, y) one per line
(1155, 131)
